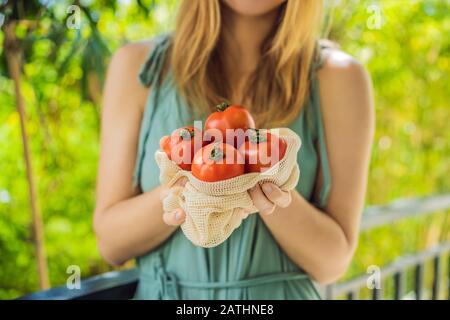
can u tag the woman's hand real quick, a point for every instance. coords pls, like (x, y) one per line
(176, 217)
(268, 196)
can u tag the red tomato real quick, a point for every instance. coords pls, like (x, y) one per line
(262, 151)
(182, 145)
(232, 117)
(217, 161)
(164, 145)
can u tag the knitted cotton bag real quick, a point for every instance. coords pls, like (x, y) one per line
(210, 207)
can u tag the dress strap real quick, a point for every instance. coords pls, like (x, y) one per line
(151, 69)
(318, 59)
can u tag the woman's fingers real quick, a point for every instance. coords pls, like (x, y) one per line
(276, 195)
(242, 212)
(268, 196)
(265, 198)
(174, 218)
(181, 182)
(164, 193)
(261, 202)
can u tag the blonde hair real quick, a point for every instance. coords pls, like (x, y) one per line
(280, 85)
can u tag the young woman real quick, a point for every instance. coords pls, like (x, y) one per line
(264, 55)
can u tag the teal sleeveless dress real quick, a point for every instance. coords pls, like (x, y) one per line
(249, 264)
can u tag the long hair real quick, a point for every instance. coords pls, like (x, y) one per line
(278, 88)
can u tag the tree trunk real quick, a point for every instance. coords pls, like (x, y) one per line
(13, 57)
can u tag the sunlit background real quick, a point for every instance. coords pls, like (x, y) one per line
(61, 73)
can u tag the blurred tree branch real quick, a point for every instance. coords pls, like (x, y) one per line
(13, 53)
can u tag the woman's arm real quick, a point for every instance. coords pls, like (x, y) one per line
(126, 224)
(323, 243)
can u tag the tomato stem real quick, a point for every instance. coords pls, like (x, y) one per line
(257, 137)
(186, 134)
(216, 153)
(222, 106)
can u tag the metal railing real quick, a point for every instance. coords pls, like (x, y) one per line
(122, 284)
(384, 215)
(350, 289)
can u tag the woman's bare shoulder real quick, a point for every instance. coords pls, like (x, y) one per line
(345, 90)
(130, 57)
(134, 52)
(123, 70)
(339, 65)
(344, 77)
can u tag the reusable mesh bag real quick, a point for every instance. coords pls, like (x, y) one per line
(210, 207)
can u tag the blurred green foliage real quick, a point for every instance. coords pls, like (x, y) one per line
(407, 56)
